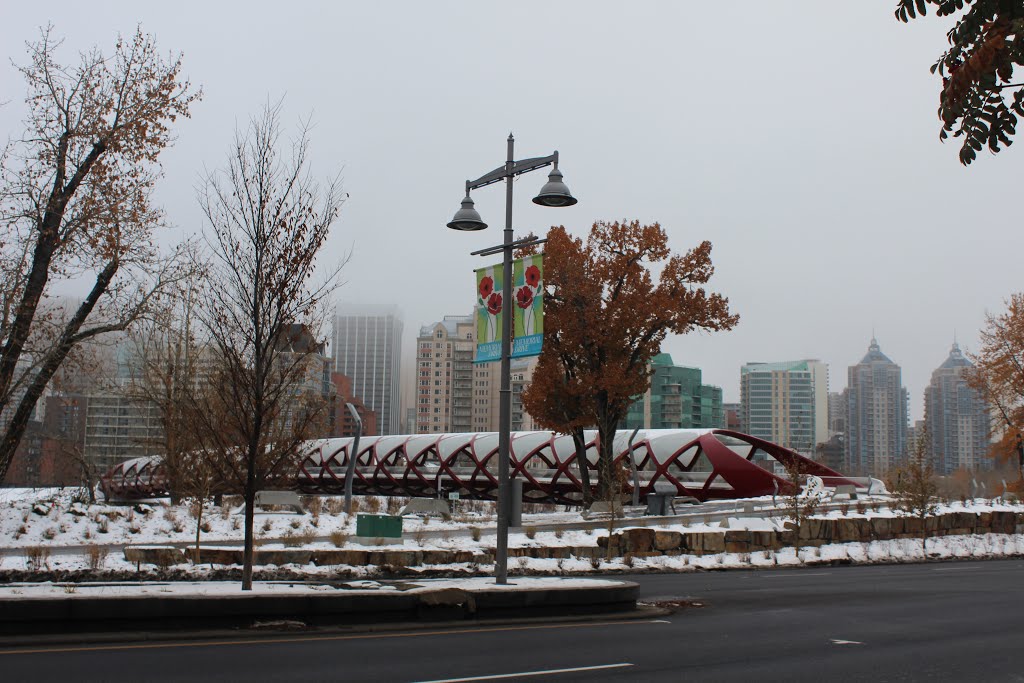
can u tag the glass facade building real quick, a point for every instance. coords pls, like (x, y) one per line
(676, 399)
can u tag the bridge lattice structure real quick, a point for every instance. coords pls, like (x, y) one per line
(704, 464)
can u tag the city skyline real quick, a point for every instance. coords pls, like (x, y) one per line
(831, 216)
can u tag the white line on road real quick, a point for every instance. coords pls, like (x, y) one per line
(955, 569)
(836, 641)
(523, 674)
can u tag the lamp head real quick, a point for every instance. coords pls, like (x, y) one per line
(467, 217)
(555, 192)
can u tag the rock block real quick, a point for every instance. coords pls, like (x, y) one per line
(638, 540)
(713, 542)
(667, 540)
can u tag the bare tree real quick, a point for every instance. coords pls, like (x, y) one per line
(800, 499)
(167, 365)
(268, 220)
(916, 488)
(75, 202)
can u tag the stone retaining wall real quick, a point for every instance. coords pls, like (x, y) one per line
(638, 542)
(642, 542)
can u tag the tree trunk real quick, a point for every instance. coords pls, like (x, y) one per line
(250, 514)
(606, 482)
(584, 466)
(199, 529)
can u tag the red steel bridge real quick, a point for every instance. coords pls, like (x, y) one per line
(706, 464)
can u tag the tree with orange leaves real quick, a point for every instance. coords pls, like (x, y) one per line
(999, 375)
(76, 205)
(605, 318)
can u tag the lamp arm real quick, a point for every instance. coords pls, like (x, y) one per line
(518, 168)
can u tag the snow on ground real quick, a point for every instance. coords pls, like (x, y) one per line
(185, 589)
(52, 528)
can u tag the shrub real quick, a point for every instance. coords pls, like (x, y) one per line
(314, 505)
(339, 538)
(531, 532)
(295, 524)
(267, 525)
(96, 557)
(299, 540)
(36, 557)
(335, 505)
(559, 533)
(595, 562)
(393, 505)
(476, 533)
(628, 560)
(370, 504)
(420, 537)
(104, 526)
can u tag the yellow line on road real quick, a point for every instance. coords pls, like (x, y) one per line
(312, 639)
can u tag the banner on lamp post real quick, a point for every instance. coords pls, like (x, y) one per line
(527, 309)
(528, 306)
(488, 313)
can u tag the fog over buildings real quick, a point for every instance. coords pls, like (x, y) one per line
(801, 138)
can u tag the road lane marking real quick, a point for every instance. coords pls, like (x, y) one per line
(524, 674)
(837, 641)
(954, 569)
(313, 639)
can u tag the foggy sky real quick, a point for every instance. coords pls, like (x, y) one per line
(801, 138)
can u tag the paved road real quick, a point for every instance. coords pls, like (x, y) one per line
(933, 622)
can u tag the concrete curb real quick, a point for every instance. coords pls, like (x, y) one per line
(84, 614)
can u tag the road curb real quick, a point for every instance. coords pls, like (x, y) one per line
(81, 614)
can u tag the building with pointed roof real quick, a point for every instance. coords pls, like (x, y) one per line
(877, 414)
(956, 417)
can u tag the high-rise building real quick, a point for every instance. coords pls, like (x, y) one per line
(786, 403)
(837, 401)
(446, 391)
(732, 416)
(956, 417)
(876, 422)
(676, 399)
(367, 348)
(454, 394)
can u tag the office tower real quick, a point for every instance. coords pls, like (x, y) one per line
(367, 348)
(956, 418)
(876, 423)
(786, 403)
(676, 399)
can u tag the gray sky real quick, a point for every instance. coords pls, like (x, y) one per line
(799, 137)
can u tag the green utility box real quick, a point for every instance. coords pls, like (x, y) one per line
(378, 526)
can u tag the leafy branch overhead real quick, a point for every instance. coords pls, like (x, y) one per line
(980, 101)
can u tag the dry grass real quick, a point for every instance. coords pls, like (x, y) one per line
(298, 540)
(96, 557)
(37, 557)
(339, 538)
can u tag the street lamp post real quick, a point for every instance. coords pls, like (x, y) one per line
(554, 193)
